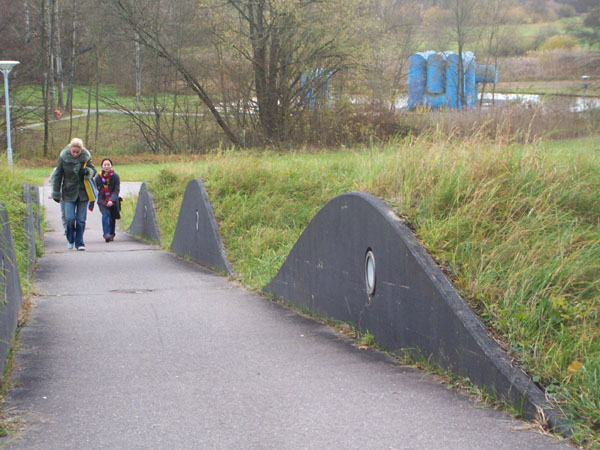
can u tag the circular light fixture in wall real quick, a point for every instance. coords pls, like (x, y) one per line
(370, 274)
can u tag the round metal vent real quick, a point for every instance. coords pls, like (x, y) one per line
(370, 274)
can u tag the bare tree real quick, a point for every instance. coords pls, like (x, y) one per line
(138, 72)
(45, 69)
(72, 56)
(290, 49)
(459, 25)
(293, 48)
(133, 13)
(390, 32)
(496, 28)
(51, 18)
(463, 27)
(58, 56)
(27, 21)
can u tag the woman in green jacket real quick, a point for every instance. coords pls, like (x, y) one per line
(74, 163)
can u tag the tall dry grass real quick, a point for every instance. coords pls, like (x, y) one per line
(550, 65)
(516, 227)
(508, 124)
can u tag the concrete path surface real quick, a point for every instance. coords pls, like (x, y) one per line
(129, 347)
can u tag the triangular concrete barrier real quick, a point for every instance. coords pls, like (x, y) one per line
(197, 233)
(144, 221)
(357, 262)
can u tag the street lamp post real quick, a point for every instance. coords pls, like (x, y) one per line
(585, 79)
(6, 67)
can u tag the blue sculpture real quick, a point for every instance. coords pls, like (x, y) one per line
(433, 80)
(315, 86)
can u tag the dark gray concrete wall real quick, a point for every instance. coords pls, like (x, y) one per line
(37, 212)
(144, 221)
(414, 306)
(29, 228)
(10, 288)
(197, 233)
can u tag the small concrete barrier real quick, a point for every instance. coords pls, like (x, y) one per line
(357, 262)
(10, 288)
(144, 221)
(37, 212)
(197, 233)
(29, 228)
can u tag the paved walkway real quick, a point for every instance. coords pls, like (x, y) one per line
(130, 347)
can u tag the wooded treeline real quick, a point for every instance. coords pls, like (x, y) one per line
(263, 71)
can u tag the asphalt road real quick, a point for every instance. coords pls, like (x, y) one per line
(129, 347)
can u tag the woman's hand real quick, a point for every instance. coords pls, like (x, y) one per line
(109, 203)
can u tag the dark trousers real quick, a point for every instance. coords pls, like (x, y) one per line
(108, 225)
(75, 215)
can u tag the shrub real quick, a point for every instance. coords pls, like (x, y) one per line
(543, 35)
(348, 124)
(560, 42)
(550, 65)
(567, 11)
(592, 19)
(517, 14)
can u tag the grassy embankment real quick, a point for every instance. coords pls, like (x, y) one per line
(11, 195)
(517, 228)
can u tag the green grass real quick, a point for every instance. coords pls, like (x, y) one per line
(534, 29)
(118, 136)
(517, 227)
(32, 95)
(27, 144)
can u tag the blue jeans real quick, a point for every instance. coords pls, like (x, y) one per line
(75, 214)
(108, 225)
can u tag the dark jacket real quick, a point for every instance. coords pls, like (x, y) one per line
(68, 176)
(114, 185)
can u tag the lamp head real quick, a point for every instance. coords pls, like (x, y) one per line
(6, 66)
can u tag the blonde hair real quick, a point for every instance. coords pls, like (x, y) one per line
(76, 142)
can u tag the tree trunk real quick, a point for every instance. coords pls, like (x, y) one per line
(174, 115)
(71, 77)
(138, 74)
(50, 56)
(265, 69)
(27, 22)
(89, 110)
(97, 107)
(157, 108)
(45, 69)
(58, 58)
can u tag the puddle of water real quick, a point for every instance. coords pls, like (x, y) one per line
(576, 104)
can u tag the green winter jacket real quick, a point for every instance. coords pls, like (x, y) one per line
(68, 176)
